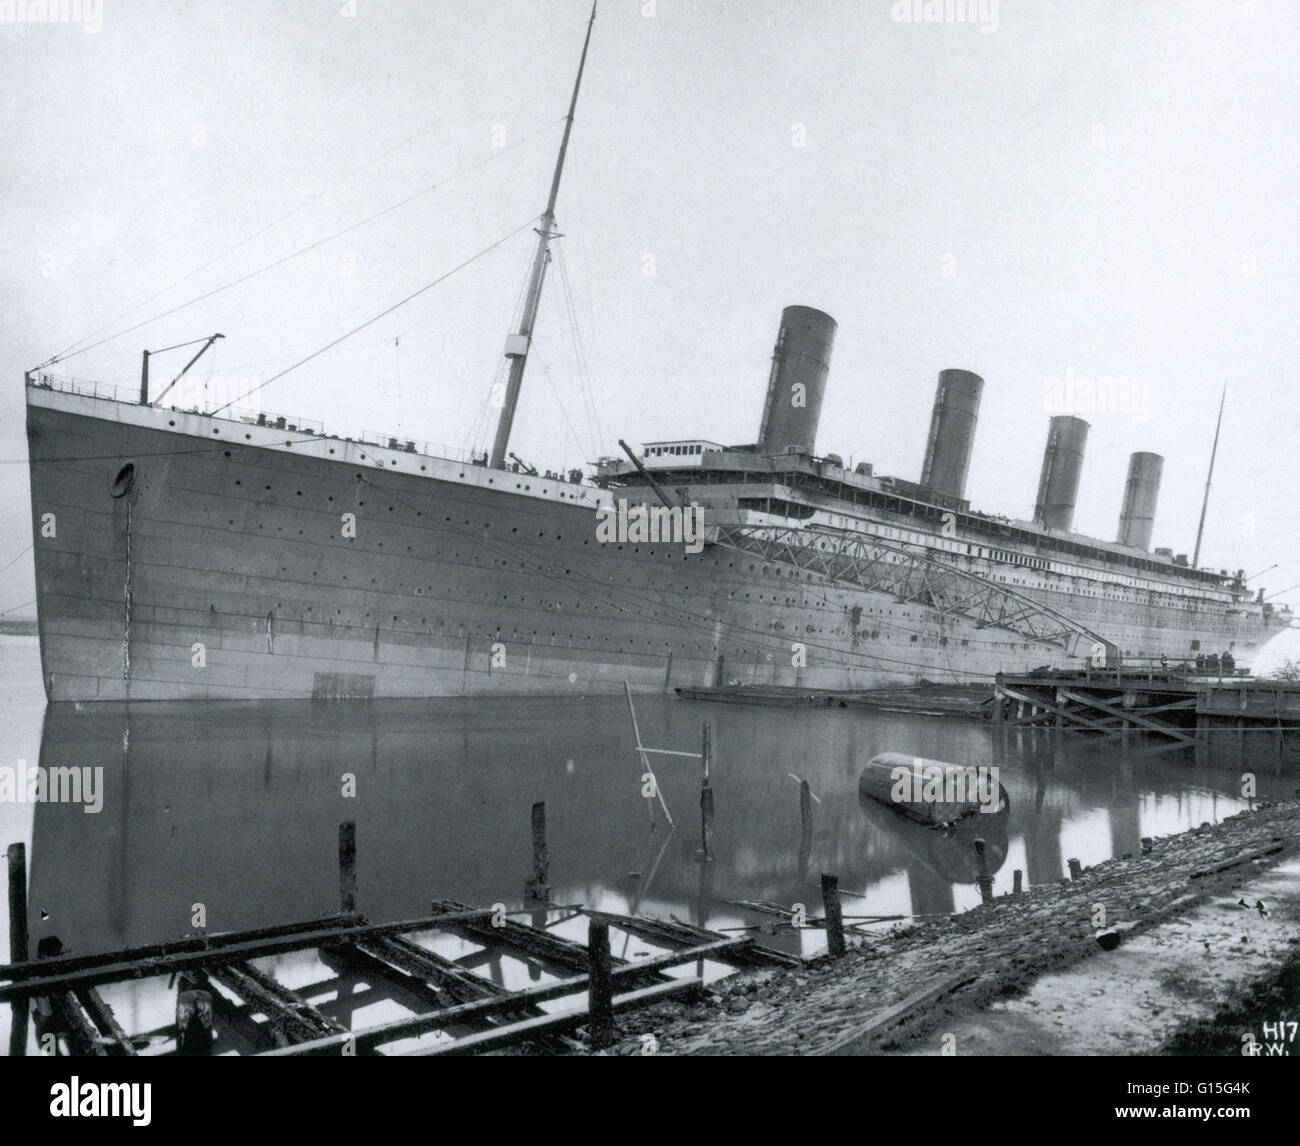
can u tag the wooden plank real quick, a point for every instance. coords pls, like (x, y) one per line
(1129, 714)
(234, 1023)
(623, 976)
(674, 933)
(1245, 857)
(290, 1016)
(553, 1024)
(36, 983)
(82, 1034)
(851, 1044)
(104, 1019)
(540, 944)
(34, 969)
(463, 986)
(398, 964)
(1068, 714)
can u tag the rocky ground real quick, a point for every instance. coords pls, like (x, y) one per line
(1028, 975)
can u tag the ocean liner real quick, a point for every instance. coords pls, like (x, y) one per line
(183, 554)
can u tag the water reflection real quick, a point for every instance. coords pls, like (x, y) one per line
(237, 807)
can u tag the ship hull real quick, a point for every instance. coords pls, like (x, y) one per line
(235, 561)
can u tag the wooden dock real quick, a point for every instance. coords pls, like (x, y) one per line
(1170, 705)
(227, 1001)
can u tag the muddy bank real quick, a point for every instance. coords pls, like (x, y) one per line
(901, 992)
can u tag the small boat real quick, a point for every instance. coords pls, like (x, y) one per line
(932, 792)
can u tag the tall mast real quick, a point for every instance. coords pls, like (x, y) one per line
(518, 343)
(1196, 553)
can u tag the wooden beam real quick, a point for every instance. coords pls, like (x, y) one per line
(674, 933)
(82, 1034)
(1214, 869)
(60, 963)
(1129, 714)
(35, 979)
(623, 976)
(851, 1043)
(553, 1024)
(540, 944)
(291, 1017)
(102, 1016)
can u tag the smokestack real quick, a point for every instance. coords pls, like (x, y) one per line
(1138, 517)
(1058, 484)
(952, 430)
(801, 360)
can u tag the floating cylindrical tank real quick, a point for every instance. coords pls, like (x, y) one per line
(932, 792)
(1058, 485)
(801, 360)
(952, 430)
(1141, 490)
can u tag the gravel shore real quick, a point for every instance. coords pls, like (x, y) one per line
(862, 1004)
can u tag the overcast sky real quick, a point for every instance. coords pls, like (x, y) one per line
(1061, 190)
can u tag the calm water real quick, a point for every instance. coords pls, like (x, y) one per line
(237, 807)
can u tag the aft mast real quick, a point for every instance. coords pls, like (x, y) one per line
(518, 343)
(1205, 501)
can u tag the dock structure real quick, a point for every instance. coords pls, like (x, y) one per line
(1171, 705)
(229, 999)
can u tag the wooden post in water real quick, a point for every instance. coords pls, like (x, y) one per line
(347, 867)
(600, 988)
(539, 887)
(706, 799)
(18, 941)
(834, 918)
(805, 807)
(1016, 877)
(984, 881)
(1076, 869)
(17, 903)
(193, 1022)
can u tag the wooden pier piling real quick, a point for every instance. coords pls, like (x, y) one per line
(226, 1002)
(984, 880)
(1017, 877)
(834, 917)
(600, 990)
(538, 888)
(1076, 869)
(347, 868)
(706, 799)
(18, 942)
(18, 903)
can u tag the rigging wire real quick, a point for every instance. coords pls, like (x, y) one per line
(382, 314)
(71, 353)
(559, 402)
(13, 559)
(584, 372)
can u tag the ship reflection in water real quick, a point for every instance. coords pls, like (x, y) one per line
(237, 807)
